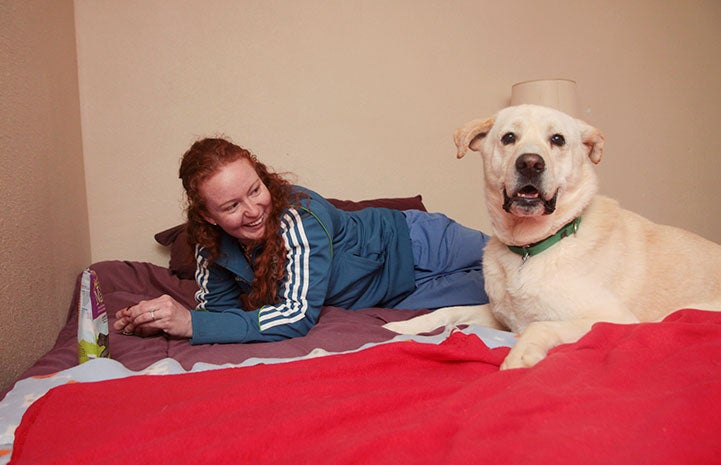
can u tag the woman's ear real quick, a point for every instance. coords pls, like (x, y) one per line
(209, 219)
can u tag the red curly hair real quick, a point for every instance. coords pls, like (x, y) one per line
(203, 159)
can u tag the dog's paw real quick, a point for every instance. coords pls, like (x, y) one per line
(415, 325)
(523, 356)
(540, 337)
(397, 327)
(446, 317)
(533, 345)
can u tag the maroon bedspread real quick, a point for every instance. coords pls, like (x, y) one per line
(126, 282)
(623, 394)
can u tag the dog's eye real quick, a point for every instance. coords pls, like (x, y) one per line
(558, 140)
(508, 138)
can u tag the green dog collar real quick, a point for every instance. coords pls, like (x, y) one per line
(538, 247)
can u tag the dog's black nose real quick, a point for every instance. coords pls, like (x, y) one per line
(530, 165)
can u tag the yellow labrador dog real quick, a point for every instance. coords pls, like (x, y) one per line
(562, 257)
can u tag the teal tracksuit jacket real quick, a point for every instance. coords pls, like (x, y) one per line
(345, 259)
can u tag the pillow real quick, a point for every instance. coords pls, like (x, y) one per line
(399, 203)
(182, 255)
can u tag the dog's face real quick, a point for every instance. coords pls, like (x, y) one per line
(537, 166)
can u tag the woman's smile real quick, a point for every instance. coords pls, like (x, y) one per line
(255, 223)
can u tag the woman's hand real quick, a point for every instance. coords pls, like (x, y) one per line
(149, 317)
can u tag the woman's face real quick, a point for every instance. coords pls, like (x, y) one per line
(237, 200)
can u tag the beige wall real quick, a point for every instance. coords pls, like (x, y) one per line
(360, 98)
(44, 237)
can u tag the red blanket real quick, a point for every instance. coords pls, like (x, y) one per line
(624, 394)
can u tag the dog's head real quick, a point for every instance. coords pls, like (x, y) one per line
(537, 166)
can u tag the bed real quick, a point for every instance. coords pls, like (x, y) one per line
(353, 392)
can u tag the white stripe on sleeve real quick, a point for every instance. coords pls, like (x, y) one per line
(296, 283)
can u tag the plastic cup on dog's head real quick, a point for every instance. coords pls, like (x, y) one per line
(555, 93)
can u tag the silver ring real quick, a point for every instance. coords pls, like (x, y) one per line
(152, 314)
(127, 333)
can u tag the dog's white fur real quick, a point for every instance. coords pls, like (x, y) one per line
(618, 267)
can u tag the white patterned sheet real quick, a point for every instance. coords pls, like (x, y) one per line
(27, 391)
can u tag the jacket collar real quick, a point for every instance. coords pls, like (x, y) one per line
(232, 257)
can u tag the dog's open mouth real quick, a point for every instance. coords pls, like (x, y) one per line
(528, 201)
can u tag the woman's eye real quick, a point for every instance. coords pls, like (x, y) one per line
(558, 140)
(508, 138)
(231, 207)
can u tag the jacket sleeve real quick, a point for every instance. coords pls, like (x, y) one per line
(302, 291)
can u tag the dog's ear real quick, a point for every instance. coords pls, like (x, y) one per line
(469, 136)
(593, 139)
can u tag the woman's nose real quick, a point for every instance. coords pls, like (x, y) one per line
(252, 209)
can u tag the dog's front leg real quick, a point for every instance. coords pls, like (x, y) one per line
(541, 336)
(446, 317)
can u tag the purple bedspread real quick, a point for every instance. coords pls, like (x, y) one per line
(125, 282)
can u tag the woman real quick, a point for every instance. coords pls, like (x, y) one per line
(271, 254)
